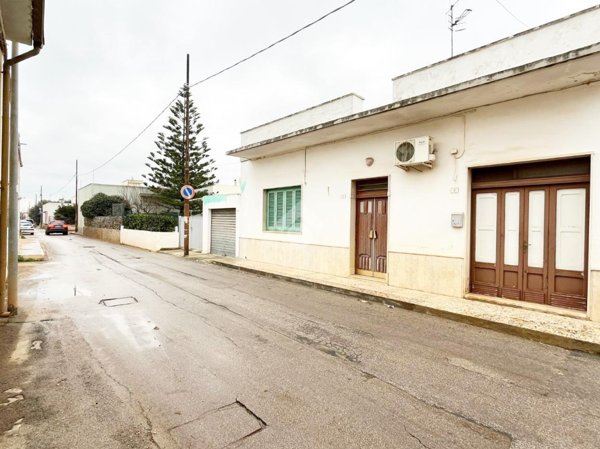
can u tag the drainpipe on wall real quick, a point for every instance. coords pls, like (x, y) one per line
(4, 209)
(13, 193)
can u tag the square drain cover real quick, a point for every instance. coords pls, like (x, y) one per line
(223, 427)
(122, 301)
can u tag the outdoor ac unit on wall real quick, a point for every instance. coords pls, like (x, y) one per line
(414, 152)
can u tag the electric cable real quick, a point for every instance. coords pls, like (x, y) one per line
(514, 17)
(241, 61)
(134, 139)
(283, 39)
(63, 187)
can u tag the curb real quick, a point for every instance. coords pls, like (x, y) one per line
(31, 258)
(570, 343)
(34, 257)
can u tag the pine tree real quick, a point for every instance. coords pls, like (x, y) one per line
(167, 163)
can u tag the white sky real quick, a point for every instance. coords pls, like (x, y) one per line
(109, 67)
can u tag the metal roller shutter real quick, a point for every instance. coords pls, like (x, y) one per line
(222, 232)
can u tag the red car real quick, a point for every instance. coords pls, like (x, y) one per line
(57, 226)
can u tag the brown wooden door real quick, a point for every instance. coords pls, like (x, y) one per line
(534, 244)
(511, 243)
(568, 250)
(371, 236)
(530, 244)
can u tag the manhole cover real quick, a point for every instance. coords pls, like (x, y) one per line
(122, 301)
(89, 246)
(223, 427)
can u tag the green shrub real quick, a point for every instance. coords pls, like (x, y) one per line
(66, 212)
(150, 222)
(100, 205)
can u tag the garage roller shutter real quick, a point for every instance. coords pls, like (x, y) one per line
(222, 232)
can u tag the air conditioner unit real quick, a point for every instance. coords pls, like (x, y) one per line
(414, 152)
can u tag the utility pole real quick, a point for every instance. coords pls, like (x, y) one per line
(4, 188)
(76, 202)
(41, 208)
(186, 162)
(13, 193)
(4, 170)
(454, 22)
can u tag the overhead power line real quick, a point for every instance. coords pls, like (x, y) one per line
(268, 47)
(63, 187)
(132, 140)
(510, 12)
(241, 61)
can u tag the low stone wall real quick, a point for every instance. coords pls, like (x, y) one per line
(104, 222)
(108, 235)
(103, 228)
(153, 241)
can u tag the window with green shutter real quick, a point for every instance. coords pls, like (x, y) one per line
(283, 209)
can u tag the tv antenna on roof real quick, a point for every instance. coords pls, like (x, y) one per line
(455, 22)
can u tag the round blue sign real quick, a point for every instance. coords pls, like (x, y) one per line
(187, 192)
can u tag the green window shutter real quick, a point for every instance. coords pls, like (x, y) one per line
(289, 210)
(270, 211)
(298, 209)
(279, 224)
(283, 210)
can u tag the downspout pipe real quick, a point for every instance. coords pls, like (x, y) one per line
(14, 233)
(6, 98)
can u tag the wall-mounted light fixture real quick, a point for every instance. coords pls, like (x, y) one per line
(369, 161)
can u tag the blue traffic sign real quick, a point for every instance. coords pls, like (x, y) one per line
(187, 192)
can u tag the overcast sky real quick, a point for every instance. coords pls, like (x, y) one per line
(109, 67)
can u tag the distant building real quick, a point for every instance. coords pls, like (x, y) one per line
(134, 191)
(49, 209)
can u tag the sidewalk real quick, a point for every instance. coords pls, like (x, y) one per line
(564, 331)
(30, 249)
(194, 254)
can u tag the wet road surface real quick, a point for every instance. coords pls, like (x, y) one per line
(138, 349)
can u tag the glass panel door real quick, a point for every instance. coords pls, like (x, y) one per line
(536, 228)
(570, 229)
(512, 224)
(485, 227)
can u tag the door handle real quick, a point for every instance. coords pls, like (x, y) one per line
(370, 233)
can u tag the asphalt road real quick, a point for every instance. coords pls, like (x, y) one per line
(200, 356)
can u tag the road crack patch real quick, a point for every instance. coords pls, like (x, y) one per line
(415, 437)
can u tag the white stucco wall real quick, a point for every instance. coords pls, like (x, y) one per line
(152, 241)
(425, 252)
(576, 31)
(331, 110)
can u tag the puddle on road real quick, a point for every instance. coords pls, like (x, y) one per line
(129, 330)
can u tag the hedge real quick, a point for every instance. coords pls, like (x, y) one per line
(150, 222)
(100, 205)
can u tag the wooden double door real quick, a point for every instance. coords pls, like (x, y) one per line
(371, 233)
(530, 243)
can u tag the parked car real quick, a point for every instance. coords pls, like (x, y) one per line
(26, 227)
(57, 226)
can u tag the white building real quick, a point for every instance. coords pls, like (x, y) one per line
(134, 191)
(49, 210)
(510, 207)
